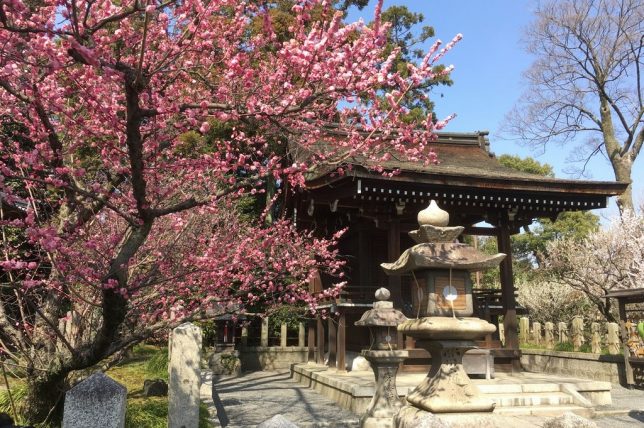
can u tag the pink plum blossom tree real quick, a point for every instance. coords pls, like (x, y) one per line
(113, 226)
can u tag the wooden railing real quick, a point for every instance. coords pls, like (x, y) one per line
(356, 294)
(490, 303)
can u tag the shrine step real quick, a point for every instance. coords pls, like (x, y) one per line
(517, 388)
(531, 399)
(546, 410)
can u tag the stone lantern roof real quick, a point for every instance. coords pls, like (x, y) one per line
(436, 249)
(383, 313)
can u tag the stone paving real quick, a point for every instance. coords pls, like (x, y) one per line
(250, 399)
(631, 399)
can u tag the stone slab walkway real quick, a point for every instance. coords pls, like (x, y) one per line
(250, 399)
(631, 400)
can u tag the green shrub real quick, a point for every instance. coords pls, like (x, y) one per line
(18, 393)
(208, 331)
(290, 315)
(157, 365)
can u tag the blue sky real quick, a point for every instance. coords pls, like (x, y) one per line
(489, 63)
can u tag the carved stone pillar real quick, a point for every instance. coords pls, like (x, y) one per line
(385, 402)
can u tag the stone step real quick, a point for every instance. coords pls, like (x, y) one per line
(554, 410)
(339, 424)
(518, 388)
(531, 399)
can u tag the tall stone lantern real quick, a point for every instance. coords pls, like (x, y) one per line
(385, 359)
(441, 269)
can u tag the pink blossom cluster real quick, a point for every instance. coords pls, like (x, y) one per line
(108, 112)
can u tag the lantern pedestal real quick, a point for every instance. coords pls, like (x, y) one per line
(385, 402)
(447, 388)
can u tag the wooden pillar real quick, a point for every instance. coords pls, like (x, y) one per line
(393, 252)
(244, 336)
(365, 261)
(310, 342)
(332, 341)
(630, 379)
(342, 346)
(283, 335)
(320, 338)
(510, 323)
(264, 334)
(410, 342)
(300, 335)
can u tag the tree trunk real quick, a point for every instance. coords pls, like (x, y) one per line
(620, 161)
(622, 168)
(44, 399)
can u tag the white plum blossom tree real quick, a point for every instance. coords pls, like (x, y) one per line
(609, 259)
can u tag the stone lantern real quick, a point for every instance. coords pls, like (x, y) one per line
(441, 269)
(385, 359)
(437, 262)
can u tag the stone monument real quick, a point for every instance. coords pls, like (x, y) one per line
(502, 333)
(524, 330)
(184, 374)
(596, 339)
(385, 359)
(536, 333)
(563, 332)
(550, 335)
(441, 269)
(612, 338)
(97, 402)
(577, 333)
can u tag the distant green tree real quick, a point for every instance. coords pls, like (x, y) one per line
(528, 164)
(409, 33)
(530, 248)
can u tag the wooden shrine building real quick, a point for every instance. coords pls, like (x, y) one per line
(378, 211)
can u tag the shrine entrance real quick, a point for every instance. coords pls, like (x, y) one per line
(378, 211)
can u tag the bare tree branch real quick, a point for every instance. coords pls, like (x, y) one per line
(586, 80)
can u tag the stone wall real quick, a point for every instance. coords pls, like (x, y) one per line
(607, 368)
(271, 357)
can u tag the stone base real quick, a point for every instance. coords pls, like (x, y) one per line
(255, 358)
(411, 417)
(370, 422)
(515, 395)
(447, 388)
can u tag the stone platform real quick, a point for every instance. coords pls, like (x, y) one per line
(516, 394)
